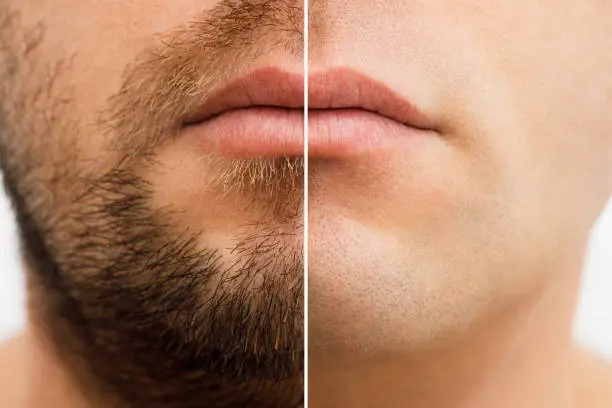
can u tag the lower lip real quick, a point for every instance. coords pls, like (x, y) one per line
(264, 131)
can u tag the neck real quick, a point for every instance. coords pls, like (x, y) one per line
(520, 358)
(37, 378)
(53, 376)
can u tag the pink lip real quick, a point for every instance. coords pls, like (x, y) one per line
(262, 114)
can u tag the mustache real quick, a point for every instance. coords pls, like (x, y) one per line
(170, 79)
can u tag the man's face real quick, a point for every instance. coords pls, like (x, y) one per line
(440, 231)
(177, 266)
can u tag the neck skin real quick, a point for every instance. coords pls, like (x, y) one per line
(33, 374)
(523, 358)
(35, 377)
(38, 376)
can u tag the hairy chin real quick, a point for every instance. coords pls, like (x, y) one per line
(149, 317)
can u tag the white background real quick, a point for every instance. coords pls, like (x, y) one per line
(593, 326)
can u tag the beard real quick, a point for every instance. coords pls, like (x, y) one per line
(134, 303)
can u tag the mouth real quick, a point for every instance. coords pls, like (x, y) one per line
(262, 115)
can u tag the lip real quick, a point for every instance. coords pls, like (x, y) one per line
(262, 114)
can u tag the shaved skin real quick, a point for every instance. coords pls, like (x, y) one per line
(443, 270)
(521, 358)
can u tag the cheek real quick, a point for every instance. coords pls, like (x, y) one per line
(87, 45)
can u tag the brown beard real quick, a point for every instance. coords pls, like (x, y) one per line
(158, 321)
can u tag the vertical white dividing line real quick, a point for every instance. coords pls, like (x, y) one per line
(305, 245)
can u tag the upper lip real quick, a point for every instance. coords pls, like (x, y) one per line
(343, 88)
(339, 88)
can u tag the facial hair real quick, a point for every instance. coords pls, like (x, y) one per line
(133, 303)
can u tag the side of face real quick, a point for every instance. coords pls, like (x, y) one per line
(431, 239)
(180, 266)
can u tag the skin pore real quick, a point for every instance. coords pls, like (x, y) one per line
(160, 272)
(455, 258)
(443, 272)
